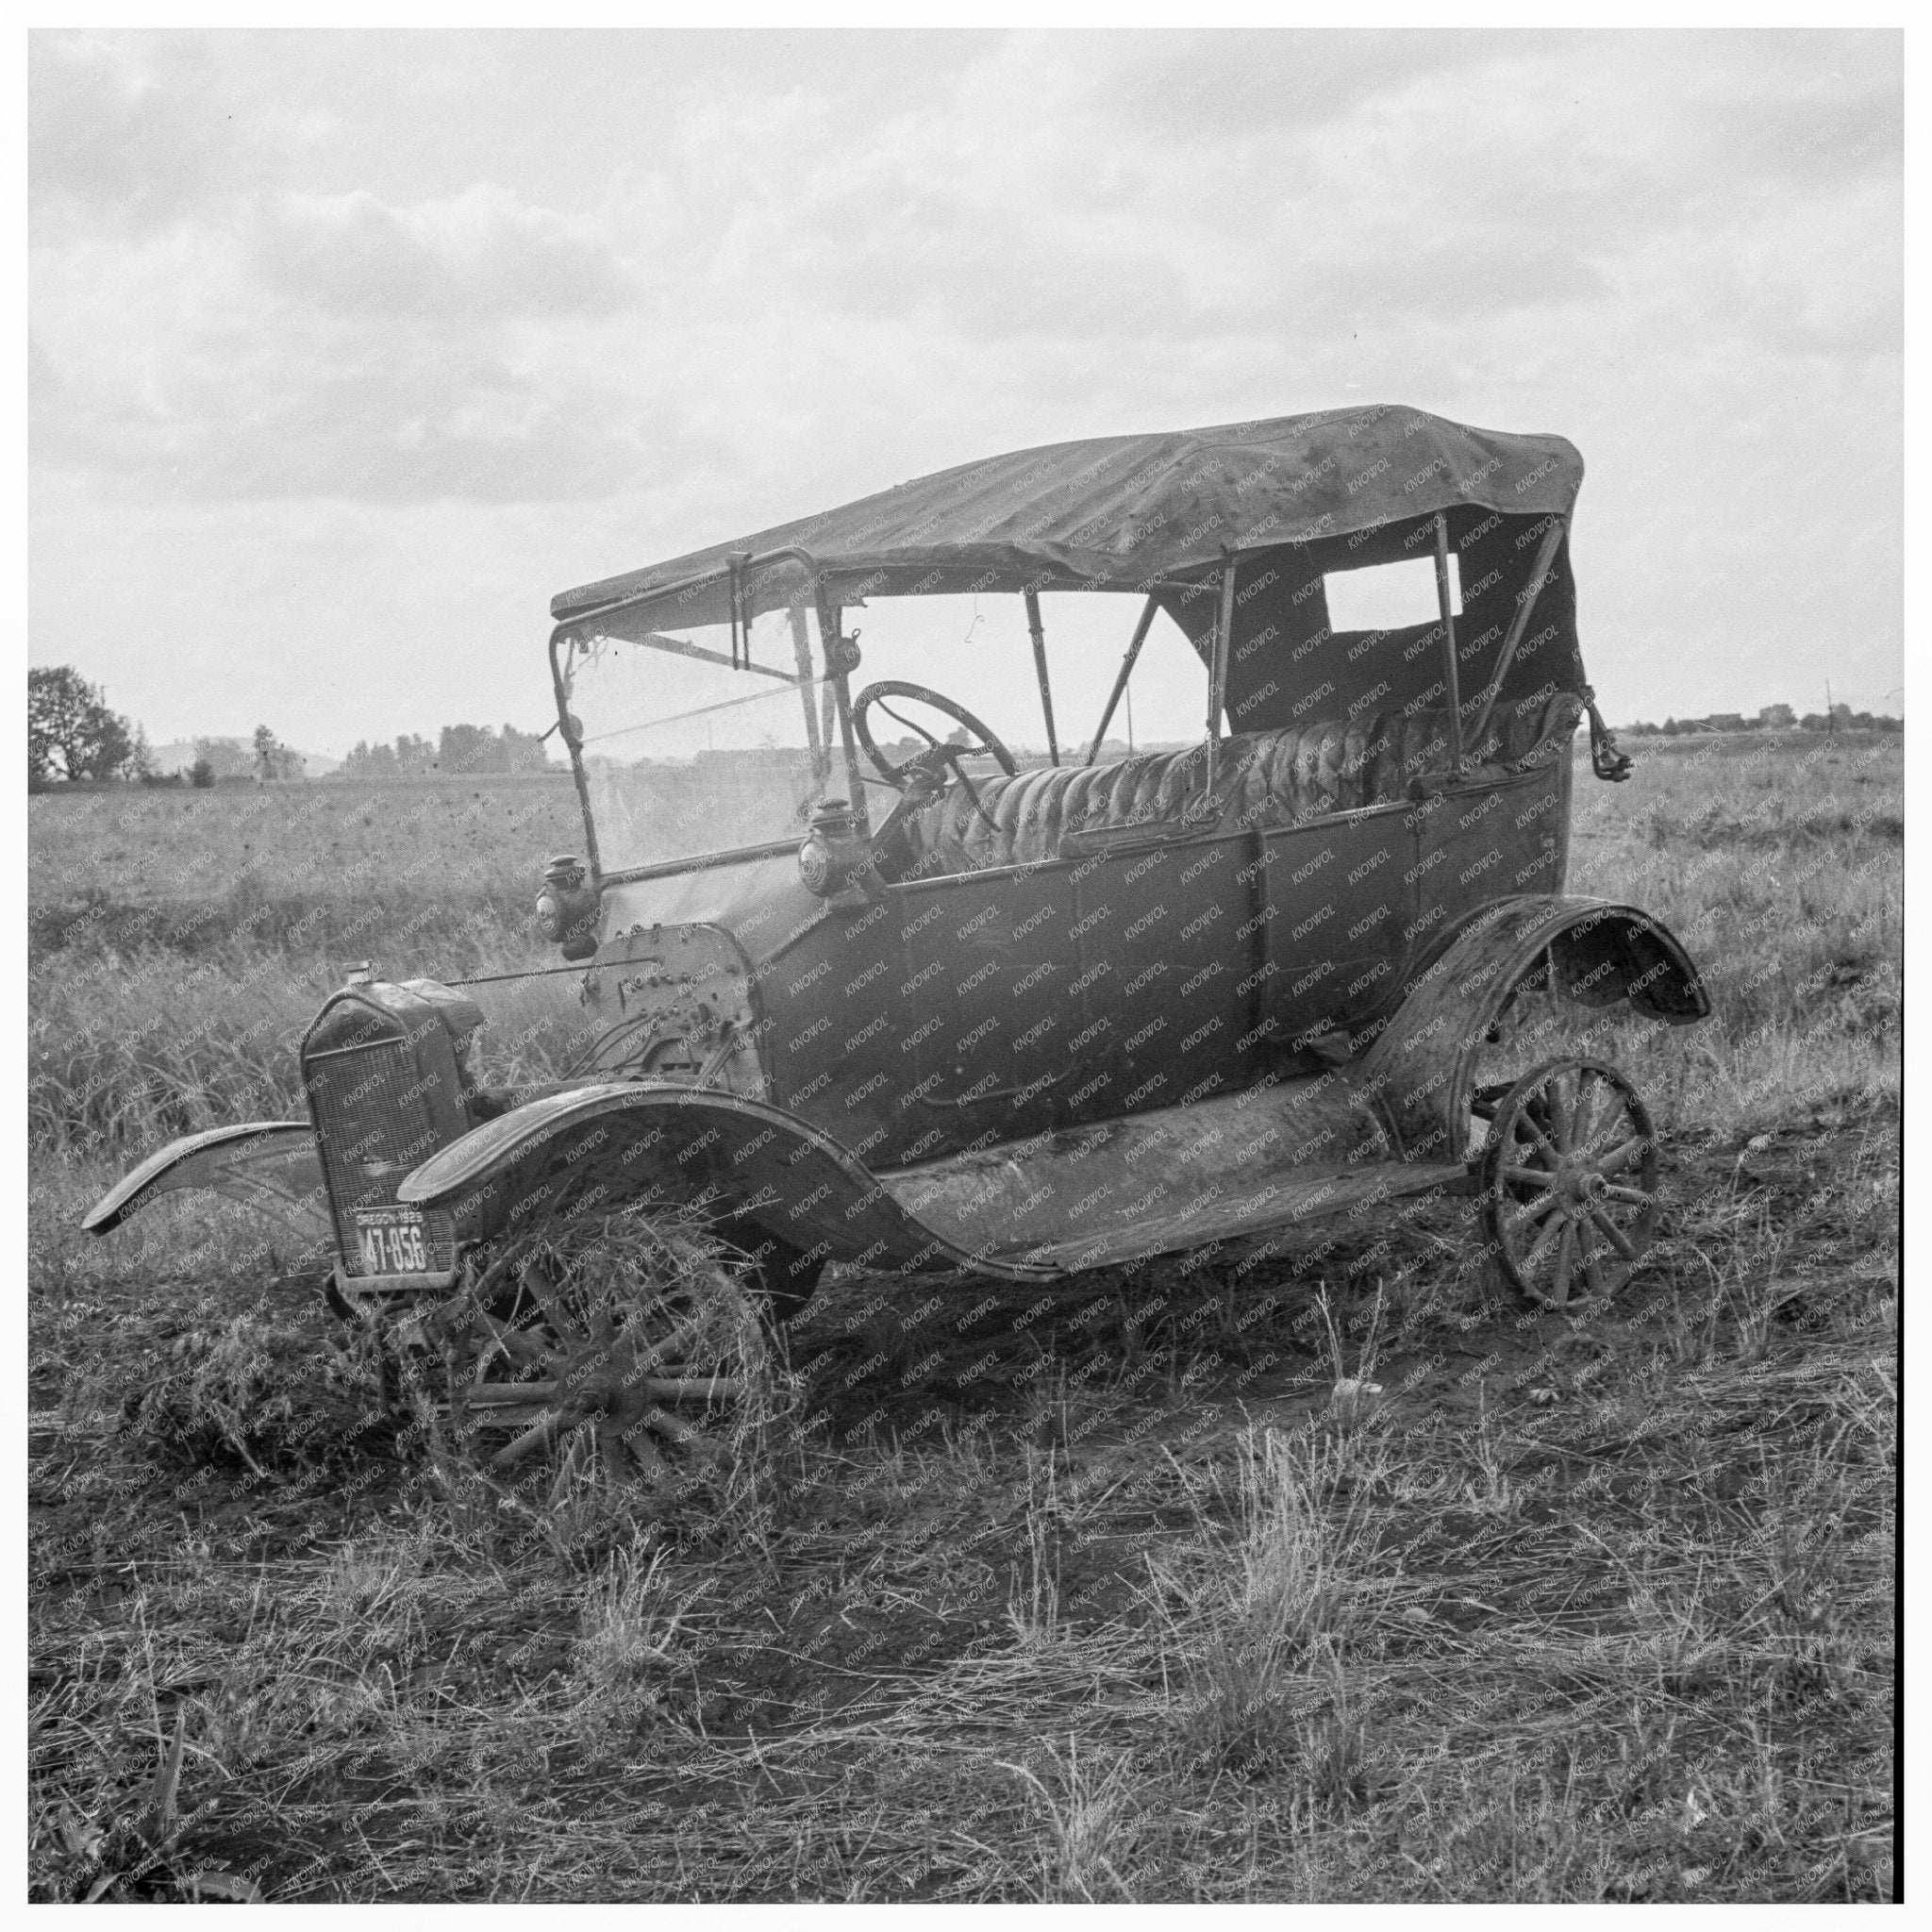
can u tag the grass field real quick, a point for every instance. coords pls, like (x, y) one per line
(1092, 1593)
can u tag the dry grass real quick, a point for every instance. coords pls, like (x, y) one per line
(1780, 867)
(1095, 1595)
(327, 867)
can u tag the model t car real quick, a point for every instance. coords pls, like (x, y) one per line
(922, 1005)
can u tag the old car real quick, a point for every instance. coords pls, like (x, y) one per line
(928, 1006)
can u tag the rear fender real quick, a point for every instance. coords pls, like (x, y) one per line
(1422, 1064)
(270, 1166)
(751, 1165)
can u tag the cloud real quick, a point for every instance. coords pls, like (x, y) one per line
(339, 347)
(135, 132)
(1143, 196)
(625, 294)
(301, 406)
(478, 255)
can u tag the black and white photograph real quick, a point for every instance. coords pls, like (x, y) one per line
(963, 966)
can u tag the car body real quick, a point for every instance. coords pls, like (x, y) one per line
(1035, 1020)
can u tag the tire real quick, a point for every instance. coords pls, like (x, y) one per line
(636, 1345)
(1569, 1182)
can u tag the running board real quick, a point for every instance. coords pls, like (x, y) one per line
(1274, 1158)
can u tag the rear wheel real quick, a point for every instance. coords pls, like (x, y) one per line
(1568, 1181)
(1543, 1020)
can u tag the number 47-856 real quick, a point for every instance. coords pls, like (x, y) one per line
(394, 1250)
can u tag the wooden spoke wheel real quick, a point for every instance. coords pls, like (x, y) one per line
(1569, 1181)
(1541, 1022)
(607, 1342)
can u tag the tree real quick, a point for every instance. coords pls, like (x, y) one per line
(468, 748)
(1777, 718)
(71, 734)
(273, 758)
(227, 758)
(523, 750)
(370, 761)
(415, 757)
(201, 775)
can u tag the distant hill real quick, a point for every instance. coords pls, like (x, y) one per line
(178, 757)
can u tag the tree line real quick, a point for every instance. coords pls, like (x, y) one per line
(1772, 718)
(74, 738)
(461, 750)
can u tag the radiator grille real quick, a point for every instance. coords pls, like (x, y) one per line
(374, 1125)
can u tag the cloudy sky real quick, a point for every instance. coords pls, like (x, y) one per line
(349, 349)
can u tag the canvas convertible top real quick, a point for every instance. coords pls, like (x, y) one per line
(1122, 512)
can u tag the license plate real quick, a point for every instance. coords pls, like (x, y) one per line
(395, 1240)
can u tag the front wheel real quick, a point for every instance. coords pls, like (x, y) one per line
(1570, 1182)
(635, 1346)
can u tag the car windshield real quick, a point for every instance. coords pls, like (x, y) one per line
(685, 753)
(696, 743)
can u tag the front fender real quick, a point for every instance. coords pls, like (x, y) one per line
(1421, 1067)
(270, 1166)
(612, 1143)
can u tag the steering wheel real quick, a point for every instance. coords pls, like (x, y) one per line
(948, 753)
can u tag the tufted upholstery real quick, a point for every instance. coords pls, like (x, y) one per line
(1263, 778)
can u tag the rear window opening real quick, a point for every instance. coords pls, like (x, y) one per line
(1389, 596)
